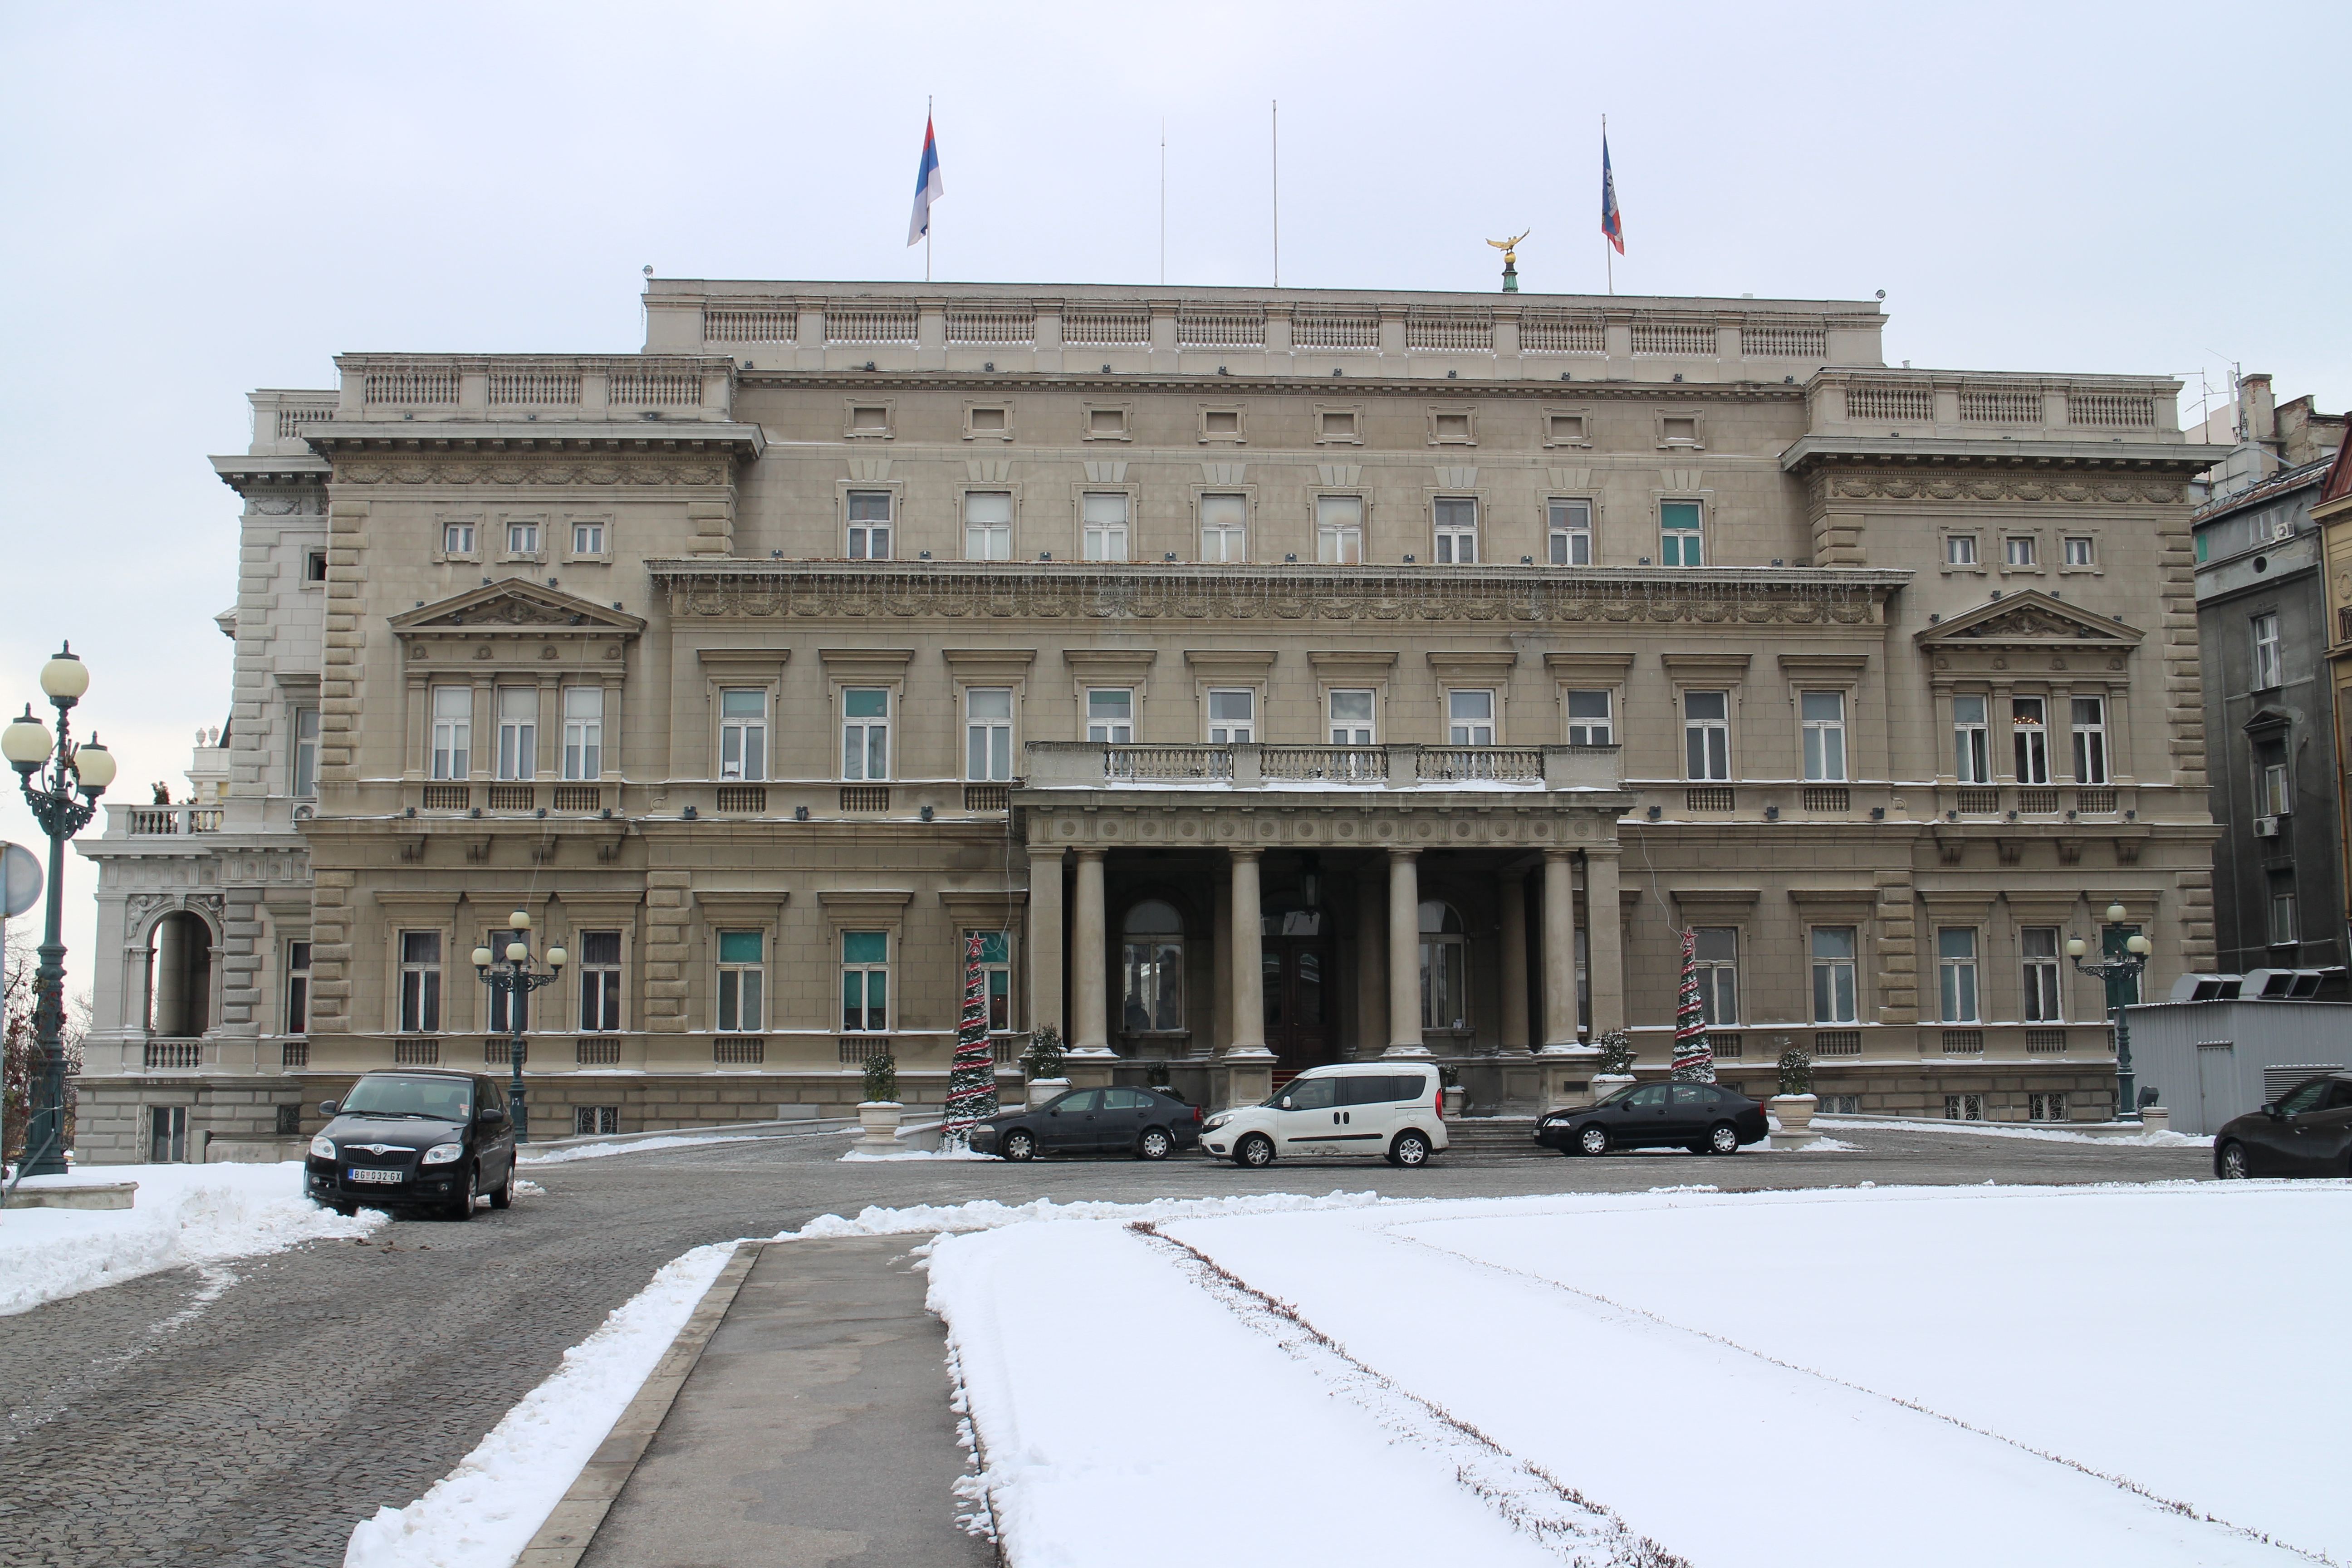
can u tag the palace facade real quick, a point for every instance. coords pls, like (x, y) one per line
(1268, 677)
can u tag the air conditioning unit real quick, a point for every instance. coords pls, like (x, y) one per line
(2266, 828)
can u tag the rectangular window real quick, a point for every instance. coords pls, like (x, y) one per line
(1221, 423)
(600, 980)
(587, 537)
(1232, 716)
(2031, 739)
(988, 525)
(1971, 754)
(1833, 974)
(1823, 715)
(1338, 426)
(743, 977)
(865, 979)
(743, 732)
(2090, 739)
(1340, 530)
(1104, 518)
(456, 539)
(1567, 429)
(2017, 550)
(2269, 669)
(453, 732)
(1679, 431)
(1223, 521)
(584, 732)
(866, 732)
(588, 1120)
(2271, 797)
(1457, 531)
(522, 537)
(2078, 550)
(507, 1013)
(2038, 950)
(1589, 719)
(996, 976)
(988, 732)
(1678, 533)
(2045, 1107)
(1571, 532)
(420, 982)
(1956, 973)
(517, 731)
(1707, 734)
(1959, 549)
(2283, 922)
(1470, 718)
(298, 988)
(1110, 715)
(869, 525)
(314, 566)
(167, 1127)
(1964, 1108)
(1716, 957)
(1106, 421)
(1351, 718)
(306, 752)
(987, 421)
(869, 419)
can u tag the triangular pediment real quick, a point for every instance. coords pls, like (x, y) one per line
(2031, 620)
(515, 603)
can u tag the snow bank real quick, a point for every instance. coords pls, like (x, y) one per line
(2165, 1139)
(859, 1155)
(484, 1512)
(182, 1216)
(987, 1214)
(606, 1151)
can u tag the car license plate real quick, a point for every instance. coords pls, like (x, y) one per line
(361, 1173)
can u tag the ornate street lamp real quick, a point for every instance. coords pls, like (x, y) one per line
(2125, 965)
(53, 773)
(518, 981)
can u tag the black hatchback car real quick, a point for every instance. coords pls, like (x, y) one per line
(2306, 1132)
(1704, 1117)
(1148, 1123)
(415, 1138)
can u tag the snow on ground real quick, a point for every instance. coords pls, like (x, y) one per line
(606, 1151)
(1948, 1376)
(2168, 1138)
(484, 1512)
(987, 1214)
(182, 1216)
(856, 1154)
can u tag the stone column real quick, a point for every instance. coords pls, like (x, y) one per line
(1216, 1031)
(1371, 979)
(1514, 938)
(1604, 948)
(1090, 1022)
(1045, 939)
(171, 976)
(1247, 1035)
(1560, 951)
(1404, 955)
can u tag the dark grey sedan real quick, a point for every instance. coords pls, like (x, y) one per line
(1148, 1123)
(2306, 1132)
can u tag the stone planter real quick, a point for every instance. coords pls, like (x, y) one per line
(879, 1120)
(2155, 1119)
(1795, 1114)
(1455, 1098)
(1042, 1090)
(1605, 1084)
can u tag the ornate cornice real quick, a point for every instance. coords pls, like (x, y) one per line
(1366, 384)
(451, 453)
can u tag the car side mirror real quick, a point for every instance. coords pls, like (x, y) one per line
(326, 1107)
(2274, 1112)
(1285, 1103)
(494, 1113)
(1053, 1110)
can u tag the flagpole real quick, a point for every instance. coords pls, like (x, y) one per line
(1163, 201)
(1277, 121)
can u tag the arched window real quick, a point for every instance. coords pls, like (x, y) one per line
(1445, 968)
(180, 975)
(1151, 959)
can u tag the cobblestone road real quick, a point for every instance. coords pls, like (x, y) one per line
(251, 1415)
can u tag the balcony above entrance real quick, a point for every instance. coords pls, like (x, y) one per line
(1060, 765)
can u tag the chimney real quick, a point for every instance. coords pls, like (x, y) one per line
(2257, 410)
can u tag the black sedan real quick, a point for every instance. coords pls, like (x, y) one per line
(1704, 1117)
(2306, 1132)
(1148, 1123)
(414, 1139)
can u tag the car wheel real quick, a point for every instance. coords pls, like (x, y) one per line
(463, 1208)
(1020, 1145)
(1154, 1145)
(502, 1196)
(1591, 1141)
(1410, 1151)
(1256, 1151)
(1722, 1138)
(2230, 1163)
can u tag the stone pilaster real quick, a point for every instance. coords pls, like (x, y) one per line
(668, 952)
(1896, 918)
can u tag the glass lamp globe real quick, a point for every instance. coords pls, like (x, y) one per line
(95, 765)
(26, 742)
(520, 920)
(2117, 914)
(556, 956)
(2137, 943)
(481, 958)
(2074, 947)
(65, 675)
(516, 952)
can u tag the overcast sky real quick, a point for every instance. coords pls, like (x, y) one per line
(200, 200)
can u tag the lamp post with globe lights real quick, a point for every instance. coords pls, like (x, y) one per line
(53, 771)
(517, 980)
(2125, 965)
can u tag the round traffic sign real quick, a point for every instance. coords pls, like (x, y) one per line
(20, 874)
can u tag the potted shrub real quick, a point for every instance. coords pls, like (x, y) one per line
(1041, 1063)
(878, 1114)
(1616, 1068)
(1793, 1106)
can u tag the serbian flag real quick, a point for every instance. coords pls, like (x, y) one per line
(1611, 223)
(927, 188)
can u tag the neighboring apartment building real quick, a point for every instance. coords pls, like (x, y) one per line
(2270, 724)
(2331, 512)
(1267, 677)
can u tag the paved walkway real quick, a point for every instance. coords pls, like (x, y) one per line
(814, 1432)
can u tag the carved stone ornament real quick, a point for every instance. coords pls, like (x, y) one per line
(631, 471)
(1897, 484)
(2030, 622)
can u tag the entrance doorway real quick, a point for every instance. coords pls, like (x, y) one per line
(1301, 998)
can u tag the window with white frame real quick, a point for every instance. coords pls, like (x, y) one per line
(453, 732)
(509, 1011)
(1678, 534)
(1470, 717)
(517, 731)
(1457, 531)
(167, 1134)
(420, 982)
(298, 988)
(988, 525)
(1103, 525)
(2029, 726)
(866, 981)
(2282, 911)
(1833, 974)
(305, 759)
(1822, 717)
(1971, 744)
(1715, 957)
(599, 960)
(869, 525)
(1351, 716)
(742, 980)
(587, 536)
(1110, 715)
(1233, 716)
(584, 732)
(1340, 530)
(2271, 797)
(1224, 521)
(866, 732)
(997, 975)
(743, 732)
(1959, 549)
(1956, 973)
(456, 537)
(1706, 735)
(988, 732)
(2018, 550)
(522, 536)
(2090, 739)
(1570, 523)
(2038, 955)
(2078, 550)
(1589, 718)
(1152, 969)
(1445, 968)
(2269, 666)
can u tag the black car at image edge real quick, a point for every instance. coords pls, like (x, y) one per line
(1148, 1123)
(2306, 1132)
(1704, 1117)
(413, 1138)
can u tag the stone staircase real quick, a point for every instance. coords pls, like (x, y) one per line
(1491, 1137)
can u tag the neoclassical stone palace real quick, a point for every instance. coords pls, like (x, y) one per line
(1269, 677)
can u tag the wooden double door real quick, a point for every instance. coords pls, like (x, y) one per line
(1302, 1000)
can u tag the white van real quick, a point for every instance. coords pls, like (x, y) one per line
(1390, 1108)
